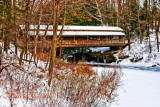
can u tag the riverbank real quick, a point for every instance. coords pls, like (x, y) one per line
(140, 54)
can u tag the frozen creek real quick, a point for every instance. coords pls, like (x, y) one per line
(141, 87)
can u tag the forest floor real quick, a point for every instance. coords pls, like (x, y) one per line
(25, 84)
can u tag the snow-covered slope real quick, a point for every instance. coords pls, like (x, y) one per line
(139, 54)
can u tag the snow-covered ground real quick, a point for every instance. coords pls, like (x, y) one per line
(139, 89)
(26, 85)
(141, 76)
(139, 54)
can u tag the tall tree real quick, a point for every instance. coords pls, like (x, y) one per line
(38, 27)
(56, 10)
(7, 22)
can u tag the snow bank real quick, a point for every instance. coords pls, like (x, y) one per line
(139, 54)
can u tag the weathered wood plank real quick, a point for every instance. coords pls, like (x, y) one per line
(83, 43)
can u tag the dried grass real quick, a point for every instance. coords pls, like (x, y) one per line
(73, 86)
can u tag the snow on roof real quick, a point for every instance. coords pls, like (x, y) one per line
(75, 27)
(77, 33)
(103, 30)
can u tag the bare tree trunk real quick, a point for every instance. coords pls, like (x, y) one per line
(158, 25)
(148, 35)
(129, 26)
(37, 31)
(21, 57)
(23, 50)
(119, 11)
(139, 26)
(0, 56)
(25, 33)
(99, 12)
(148, 24)
(157, 37)
(54, 42)
(6, 43)
(14, 15)
(1, 52)
(64, 21)
(3, 28)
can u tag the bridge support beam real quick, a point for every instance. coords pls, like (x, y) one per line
(60, 53)
(116, 47)
(120, 48)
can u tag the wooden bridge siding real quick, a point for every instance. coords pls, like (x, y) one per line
(87, 38)
(82, 43)
(90, 45)
(89, 41)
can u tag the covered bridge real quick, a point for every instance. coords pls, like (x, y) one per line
(78, 36)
